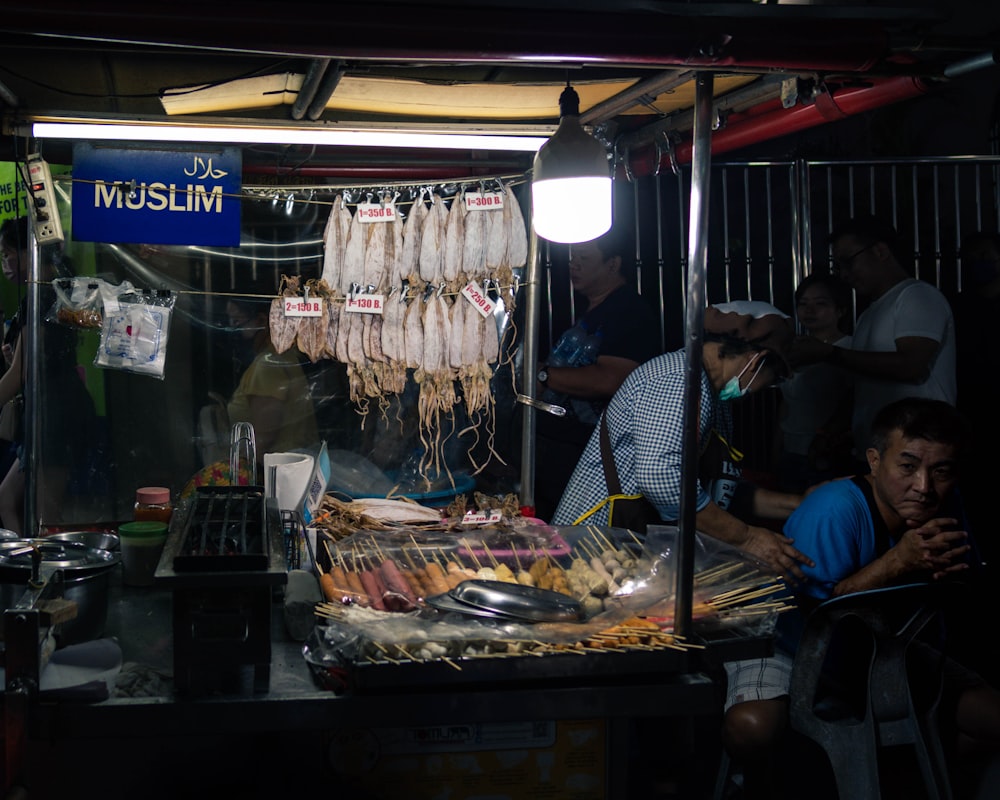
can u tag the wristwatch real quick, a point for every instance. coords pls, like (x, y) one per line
(543, 376)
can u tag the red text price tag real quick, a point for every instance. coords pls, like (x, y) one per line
(483, 201)
(300, 307)
(376, 212)
(475, 294)
(365, 304)
(481, 517)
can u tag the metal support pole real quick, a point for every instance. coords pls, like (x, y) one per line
(529, 369)
(32, 354)
(701, 164)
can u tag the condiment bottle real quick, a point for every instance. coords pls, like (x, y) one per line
(152, 503)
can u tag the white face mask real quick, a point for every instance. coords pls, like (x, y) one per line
(732, 390)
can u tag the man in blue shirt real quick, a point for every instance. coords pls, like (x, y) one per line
(897, 524)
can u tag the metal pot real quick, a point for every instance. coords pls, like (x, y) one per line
(99, 540)
(86, 574)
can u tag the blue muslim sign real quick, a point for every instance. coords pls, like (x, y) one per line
(146, 196)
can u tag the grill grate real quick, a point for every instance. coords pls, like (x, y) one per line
(225, 530)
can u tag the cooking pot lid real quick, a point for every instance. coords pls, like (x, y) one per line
(74, 557)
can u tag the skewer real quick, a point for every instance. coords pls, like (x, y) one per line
(451, 663)
(742, 598)
(492, 557)
(409, 559)
(407, 653)
(517, 559)
(420, 551)
(468, 549)
(771, 587)
(709, 575)
(598, 534)
(385, 653)
(329, 553)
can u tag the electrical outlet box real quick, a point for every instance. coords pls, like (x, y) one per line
(44, 212)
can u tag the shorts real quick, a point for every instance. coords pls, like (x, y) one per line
(768, 678)
(757, 679)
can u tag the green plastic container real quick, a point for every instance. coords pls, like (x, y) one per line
(141, 544)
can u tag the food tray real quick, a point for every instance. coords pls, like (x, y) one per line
(565, 668)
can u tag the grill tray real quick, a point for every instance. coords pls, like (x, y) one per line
(225, 531)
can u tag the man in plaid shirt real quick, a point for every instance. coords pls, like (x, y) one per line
(744, 351)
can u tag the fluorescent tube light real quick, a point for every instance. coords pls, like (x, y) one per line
(237, 134)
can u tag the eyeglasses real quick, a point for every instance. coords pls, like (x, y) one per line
(846, 262)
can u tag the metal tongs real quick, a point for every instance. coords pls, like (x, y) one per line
(242, 435)
(550, 408)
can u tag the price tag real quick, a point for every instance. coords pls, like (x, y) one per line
(481, 517)
(376, 212)
(300, 307)
(475, 294)
(365, 304)
(483, 201)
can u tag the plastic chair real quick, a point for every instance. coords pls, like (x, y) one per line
(881, 624)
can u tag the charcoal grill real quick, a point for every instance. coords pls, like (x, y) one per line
(225, 564)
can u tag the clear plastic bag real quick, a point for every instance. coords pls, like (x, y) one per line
(78, 303)
(134, 337)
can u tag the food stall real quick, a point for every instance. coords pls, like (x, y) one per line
(214, 637)
(211, 663)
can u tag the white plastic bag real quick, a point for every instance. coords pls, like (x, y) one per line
(134, 337)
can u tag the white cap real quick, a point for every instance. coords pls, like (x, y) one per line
(755, 308)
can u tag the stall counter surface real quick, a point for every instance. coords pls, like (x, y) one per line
(236, 717)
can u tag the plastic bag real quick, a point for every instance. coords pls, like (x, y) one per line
(78, 303)
(134, 336)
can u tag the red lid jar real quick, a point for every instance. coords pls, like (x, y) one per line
(152, 503)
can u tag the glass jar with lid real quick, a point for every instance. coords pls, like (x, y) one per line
(152, 503)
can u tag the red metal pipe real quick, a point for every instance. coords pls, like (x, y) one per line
(770, 120)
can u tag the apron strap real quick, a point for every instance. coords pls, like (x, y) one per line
(608, 460)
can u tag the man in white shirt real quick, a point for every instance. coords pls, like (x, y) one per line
(904, 341)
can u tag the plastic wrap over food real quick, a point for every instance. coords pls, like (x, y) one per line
(602, 569)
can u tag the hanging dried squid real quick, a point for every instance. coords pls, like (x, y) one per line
(335, 235)
(432, 234)
(409, 269)
(283, 328)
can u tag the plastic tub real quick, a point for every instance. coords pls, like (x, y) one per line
(141, 544)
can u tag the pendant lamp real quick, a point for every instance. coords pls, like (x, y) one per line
(570, 184)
